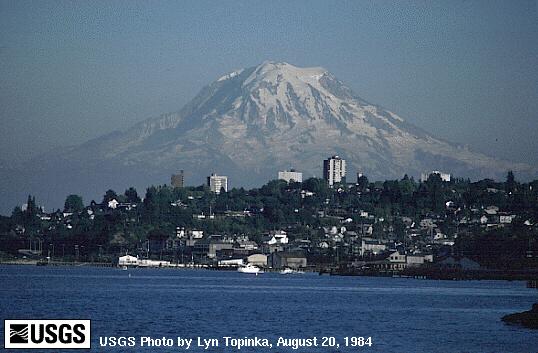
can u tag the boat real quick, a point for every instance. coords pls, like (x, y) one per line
(289, 271)
(248, 268)
(124, 268)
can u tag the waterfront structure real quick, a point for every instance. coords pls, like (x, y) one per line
(153, 263)
(291, 175)
(217, 182)
(131, 261)
(334, 170)
(282, 259)
(259, 260)
(127, 260)
(178, 180)
(444, 176)
(230, 263)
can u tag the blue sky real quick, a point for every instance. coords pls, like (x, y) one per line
(466, 71)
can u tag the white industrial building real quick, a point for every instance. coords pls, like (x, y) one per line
(291, 175)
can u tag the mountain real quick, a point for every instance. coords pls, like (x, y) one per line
(249, 124)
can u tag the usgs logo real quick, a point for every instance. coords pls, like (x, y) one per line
(28, 334)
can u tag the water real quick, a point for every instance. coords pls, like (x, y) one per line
(400, 315)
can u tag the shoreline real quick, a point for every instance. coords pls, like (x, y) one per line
(492, 275)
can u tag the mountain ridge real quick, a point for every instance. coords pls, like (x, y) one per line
(250, 123)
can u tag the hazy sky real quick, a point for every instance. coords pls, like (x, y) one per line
(466, 71)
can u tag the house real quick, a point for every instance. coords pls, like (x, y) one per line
(303, 244)
(506, 218)
(286, 259)
(427, 223)
(365, 229)
(113, 204)
(323, 245)
(371, 246)
(395, 261)
(197, 234)
(128, 206)
(305, 193)
(397, 258)
(192, 238)
(278, 237)
(244, 243)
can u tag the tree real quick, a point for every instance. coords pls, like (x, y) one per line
(317, 186)
(510, 185)
(17, 215)
(73, 203)
(131, 195)
(151, 210)
(31, 207)
(109, 196)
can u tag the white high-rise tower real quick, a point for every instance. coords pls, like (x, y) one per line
(334, 170)
(217, 182)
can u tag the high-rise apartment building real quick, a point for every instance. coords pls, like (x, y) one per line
(334, 170)
(217, 182)
(178, 180)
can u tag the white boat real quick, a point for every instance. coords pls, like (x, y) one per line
(249, 269)
(289, 271)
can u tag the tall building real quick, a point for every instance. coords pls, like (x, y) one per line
(217, 182)
(178, 180)
(334, 170)
(288, 176)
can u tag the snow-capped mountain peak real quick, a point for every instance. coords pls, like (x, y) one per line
(250, 123)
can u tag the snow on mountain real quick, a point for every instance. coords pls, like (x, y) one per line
(252, 122)
(277, 115)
